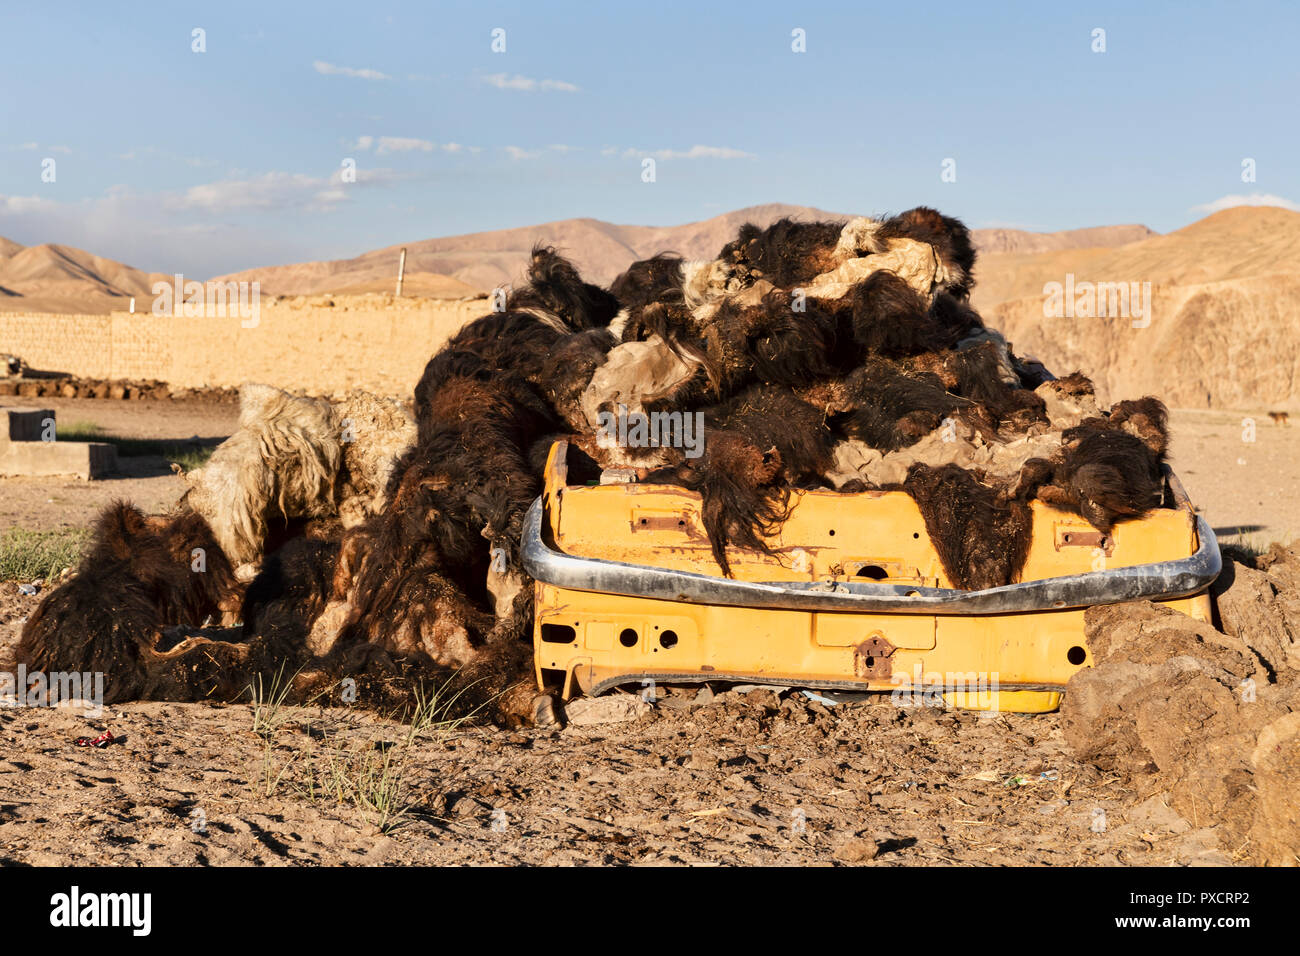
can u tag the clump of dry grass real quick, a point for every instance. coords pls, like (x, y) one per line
(268, 700)
(370, 771)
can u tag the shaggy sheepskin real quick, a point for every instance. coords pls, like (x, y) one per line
(841, 355)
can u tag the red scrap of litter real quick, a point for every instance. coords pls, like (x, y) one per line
(103, 740)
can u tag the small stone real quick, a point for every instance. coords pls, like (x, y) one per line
(545, 711)
(857, 851)
(590, 711)
(701, 761)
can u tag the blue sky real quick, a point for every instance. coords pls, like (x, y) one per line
(173, 160)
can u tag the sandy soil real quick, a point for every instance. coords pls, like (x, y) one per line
(1248, 490)
(743, 779)
(139, 419)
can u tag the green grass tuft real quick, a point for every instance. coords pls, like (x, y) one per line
(28, 555)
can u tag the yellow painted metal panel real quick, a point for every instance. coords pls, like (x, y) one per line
(993, 661)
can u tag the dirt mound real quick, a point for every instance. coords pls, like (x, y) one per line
(1214, 718)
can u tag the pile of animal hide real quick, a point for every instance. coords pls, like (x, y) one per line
(346, 540)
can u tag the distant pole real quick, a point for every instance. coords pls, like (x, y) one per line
(133, 305)
(401, 271)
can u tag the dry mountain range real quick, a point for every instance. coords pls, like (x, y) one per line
(52, 278)
(601, 250)
(1224, 311)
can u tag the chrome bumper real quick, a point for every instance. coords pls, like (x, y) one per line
(1159, 581)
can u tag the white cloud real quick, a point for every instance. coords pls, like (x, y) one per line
(695, 152)
(145, 231)
(206, 229)
(703, 152)
(24, 205)
(518, 152)
(404, 144)
(274, 190)
(329, 69)
(279, 190)
(1254, 199)
(48, 149)
(527, 84)
(371, 177)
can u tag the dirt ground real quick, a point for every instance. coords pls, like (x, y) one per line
(736, 778)
(43, 504)
(742, 779)
(1248, 490)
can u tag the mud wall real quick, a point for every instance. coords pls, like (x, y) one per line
(321, 344)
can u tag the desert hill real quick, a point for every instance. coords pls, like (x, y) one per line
(1224, 326)
(54, 278)
(990, 241)
(428, 285)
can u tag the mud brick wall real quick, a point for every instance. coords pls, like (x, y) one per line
(77, 344)
(142, 345)
(321, 344)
